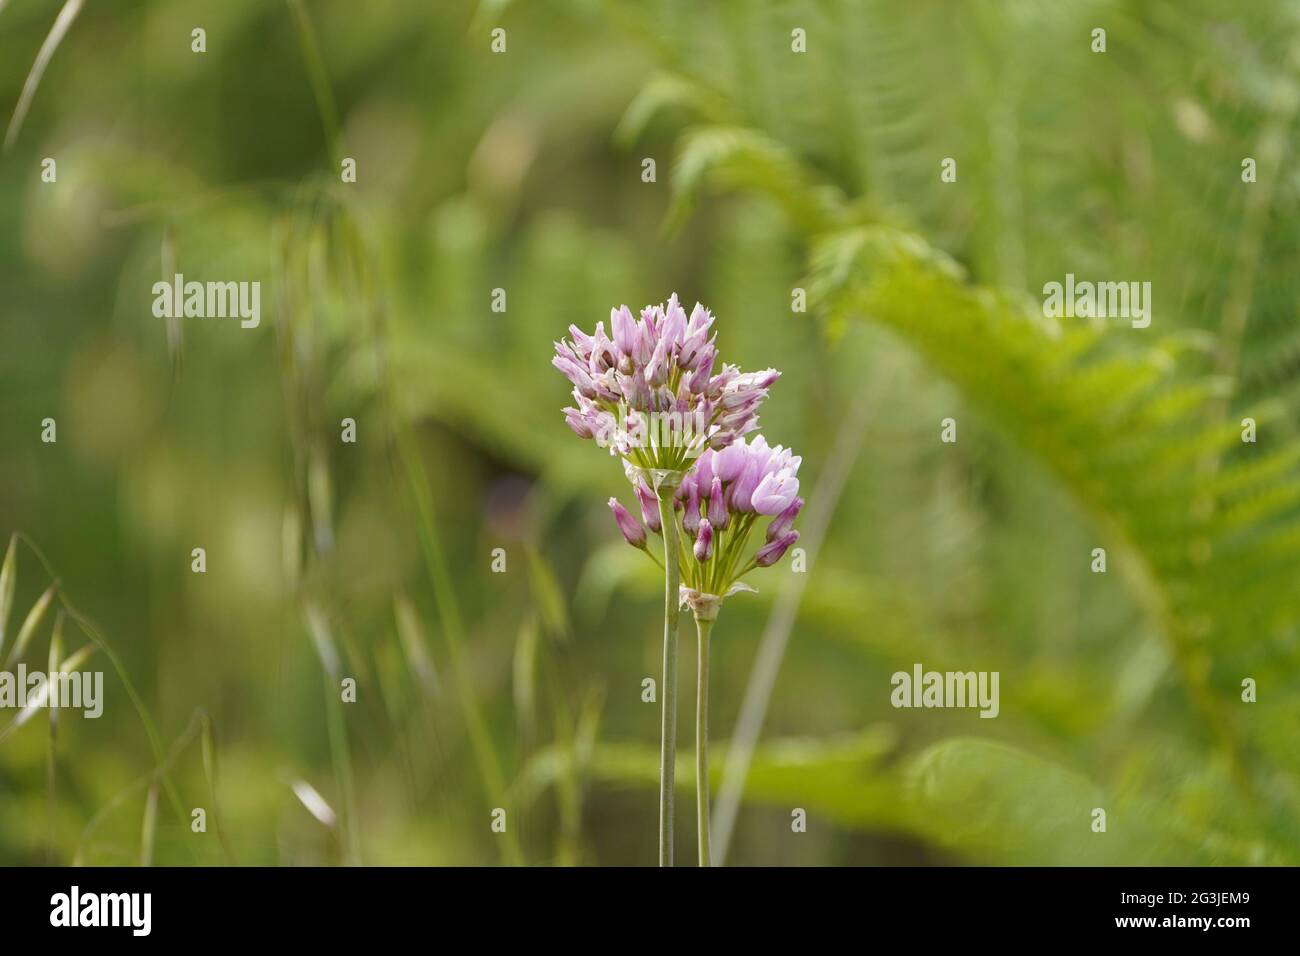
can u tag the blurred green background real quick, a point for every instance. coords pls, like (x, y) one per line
(775, 171)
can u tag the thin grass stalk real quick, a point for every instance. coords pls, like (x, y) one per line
(318, 78)
(161, 762)
(62, 24)
(151, 778)
(149, 827)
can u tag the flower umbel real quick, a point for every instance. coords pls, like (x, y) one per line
(650, 395)
(717, 505)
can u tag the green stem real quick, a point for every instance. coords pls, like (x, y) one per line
(318, 77)
(668, 738)
(703, 628)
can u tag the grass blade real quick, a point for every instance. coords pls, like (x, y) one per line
(62, 24)
(208, 742)
(318, 77)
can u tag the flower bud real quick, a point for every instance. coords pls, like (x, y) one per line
(583, 343)
(631, 528)
(649, 506)
(773, 551)
(645, 339)
(704, 468)
(581, 425)
(656, 370)
(704, 542)
(626, 333)
(730, 461)
(674, 327)
(775, 493)
(703, 365)
(691, 516)
(781, 523)
(743, 490)
(575, 372)
(721, 439)
(603, 354)
(719, 517)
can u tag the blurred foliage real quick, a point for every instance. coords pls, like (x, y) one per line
(522, 172)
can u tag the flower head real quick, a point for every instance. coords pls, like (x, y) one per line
(722, 498)
(716, 506)
(650, 394)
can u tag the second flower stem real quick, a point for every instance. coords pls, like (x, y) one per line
(668, 740)
(703, 628)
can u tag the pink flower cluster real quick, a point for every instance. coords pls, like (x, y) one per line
(650, 395)
(747, 477)
(717, 505)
